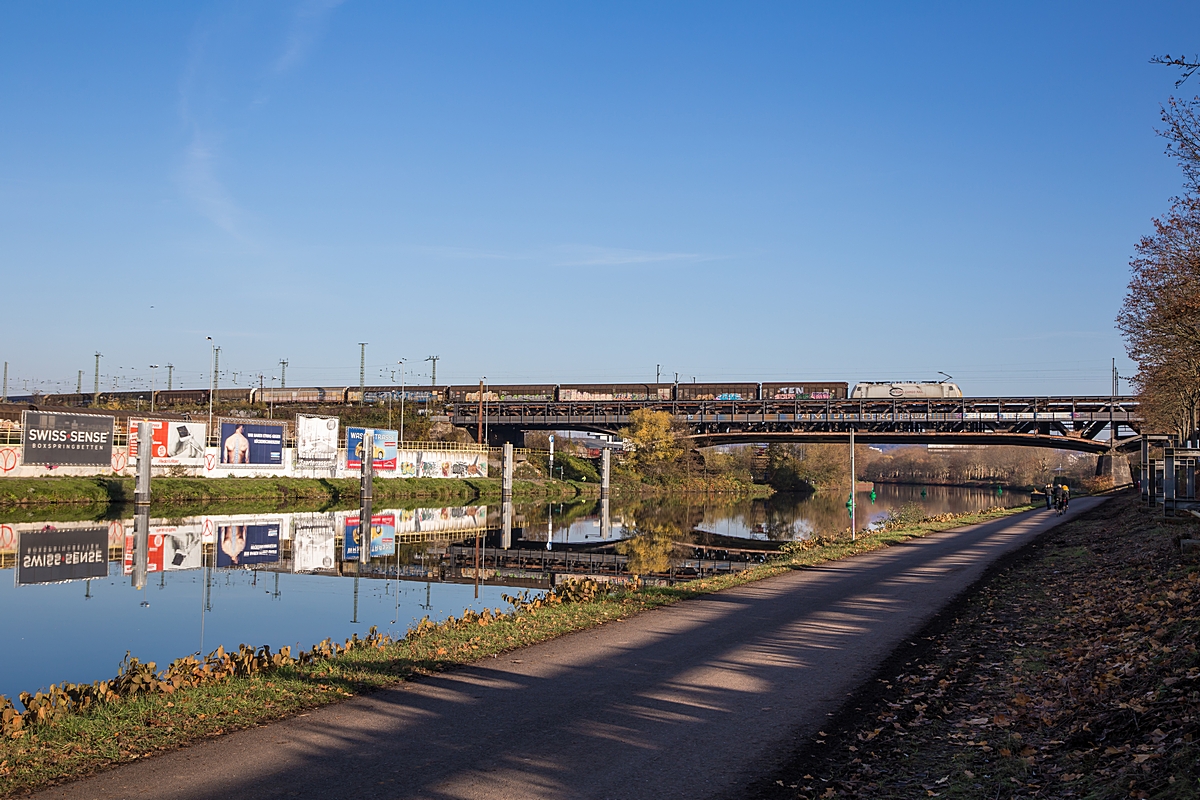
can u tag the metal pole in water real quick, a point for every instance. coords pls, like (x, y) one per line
(141, 499)
(364, 517)
(506, 491)
(605, 472)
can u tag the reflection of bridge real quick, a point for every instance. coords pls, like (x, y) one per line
(1067, 423)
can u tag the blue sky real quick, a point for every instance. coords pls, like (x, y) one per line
(542, 192)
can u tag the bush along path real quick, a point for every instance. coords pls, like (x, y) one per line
(73, 730)
(1073, 672)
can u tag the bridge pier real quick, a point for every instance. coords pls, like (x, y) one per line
(1117, 465)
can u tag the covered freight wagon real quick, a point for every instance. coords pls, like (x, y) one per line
(803, 390)
(606, 392)
(543, 393)
(301, 394)
(716, 391)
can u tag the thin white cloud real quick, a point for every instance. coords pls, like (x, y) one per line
(568, 255)
(198, 174)
(472, 254)
(308, 22)
(200, 185)
(587, 256)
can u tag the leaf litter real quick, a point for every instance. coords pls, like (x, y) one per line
(1071, 672)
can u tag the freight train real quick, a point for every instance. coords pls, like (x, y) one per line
(784, 391)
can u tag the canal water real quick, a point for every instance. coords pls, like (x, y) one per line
(281, 578)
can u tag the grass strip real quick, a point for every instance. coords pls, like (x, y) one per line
(54, 491)
(117, 733)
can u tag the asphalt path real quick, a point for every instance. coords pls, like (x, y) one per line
(695, 700)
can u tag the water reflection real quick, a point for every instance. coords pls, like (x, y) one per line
(283, 578)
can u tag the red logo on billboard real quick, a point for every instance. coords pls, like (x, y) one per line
(8, 538)
(119, 460)
(210, 461)
(8, 459)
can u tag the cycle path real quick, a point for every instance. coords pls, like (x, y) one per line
(694, 700)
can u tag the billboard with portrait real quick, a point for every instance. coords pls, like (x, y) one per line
(242, 545)
(173, 443)
(250, 444)
(316, 442)
(57, 556)
(386, 443)
(66, 440)
(383, 536)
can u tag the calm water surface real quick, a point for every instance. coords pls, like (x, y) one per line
(79, 631)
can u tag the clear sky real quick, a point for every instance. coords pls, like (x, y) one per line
(552, 192)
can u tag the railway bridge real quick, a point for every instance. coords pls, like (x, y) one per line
(1064, 423)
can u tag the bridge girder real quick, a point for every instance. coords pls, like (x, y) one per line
(1060, 423)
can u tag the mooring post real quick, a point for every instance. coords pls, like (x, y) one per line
(367, 473)
(605, 472)
(506, 491)
(141, 501)
(506, 472)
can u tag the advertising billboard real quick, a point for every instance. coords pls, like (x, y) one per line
(172, 547)
(316, 442)
(172, 443)
(250, 444)
(313, 543)
(56, 556)
(240, 545)
(383, 536)
(442, 464)
(74, 440)
(385, 448)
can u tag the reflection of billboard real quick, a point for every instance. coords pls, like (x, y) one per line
(385, 448)
(313, 544)
(439, 520)
(172, 547)
(54, 556)
(251, 444)
(316, 441)
(174, 443)
(442, 464)
(383, 536)
(238, 545)
(76, 440)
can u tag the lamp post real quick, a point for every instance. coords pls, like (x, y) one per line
(153, 382)
(401, 363)
(212, 383)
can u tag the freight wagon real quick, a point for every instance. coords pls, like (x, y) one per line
(803, 390)
(716, 391)
(412, 394)
(543, 393)
(604, 392)
(303, 394)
